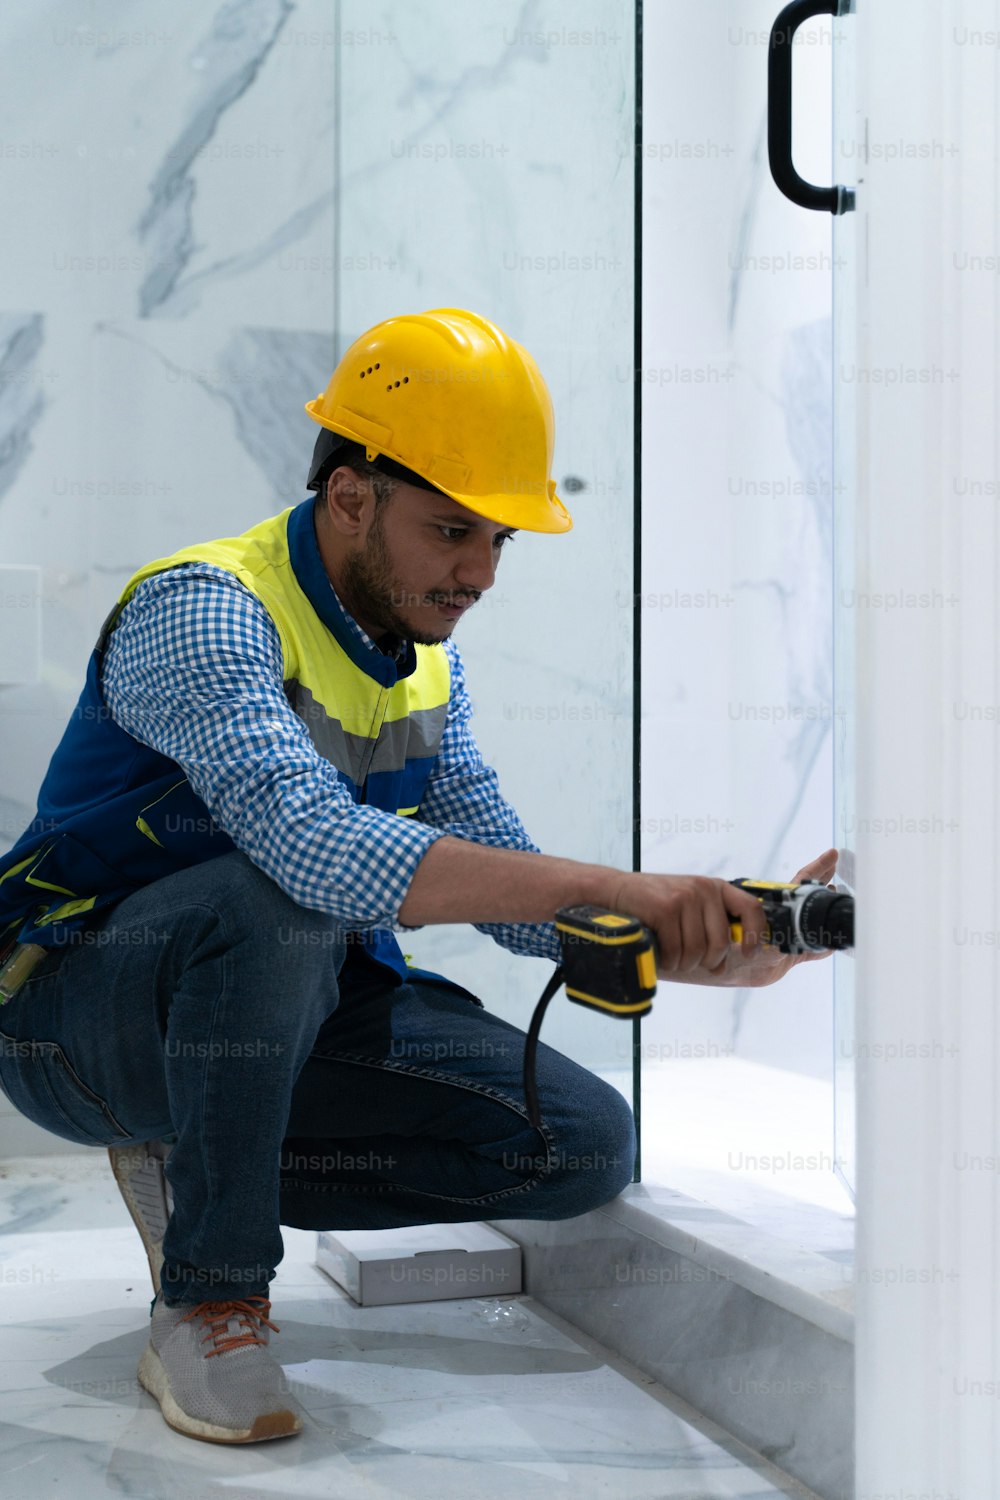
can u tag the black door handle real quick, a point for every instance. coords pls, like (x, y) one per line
(837, 200)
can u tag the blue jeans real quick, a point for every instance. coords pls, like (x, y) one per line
(301, 1088)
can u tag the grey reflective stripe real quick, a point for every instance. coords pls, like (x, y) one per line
(417, 735)
(328, 735)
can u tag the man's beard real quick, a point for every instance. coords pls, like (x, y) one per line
(372, 593)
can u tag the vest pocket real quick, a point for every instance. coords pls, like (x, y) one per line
(178, 822)
(64, 875)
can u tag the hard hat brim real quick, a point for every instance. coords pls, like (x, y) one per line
(524, 513)
(549, 516)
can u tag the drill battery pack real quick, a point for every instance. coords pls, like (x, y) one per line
(609, 960)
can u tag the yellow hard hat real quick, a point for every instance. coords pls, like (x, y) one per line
(449, 396)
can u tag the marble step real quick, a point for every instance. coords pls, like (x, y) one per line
(753, 1332)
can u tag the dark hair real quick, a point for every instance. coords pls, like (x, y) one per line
(352, 456)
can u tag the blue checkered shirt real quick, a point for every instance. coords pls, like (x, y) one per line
(193, 668)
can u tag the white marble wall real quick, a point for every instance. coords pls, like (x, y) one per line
(210, 204)
(168, 306)
(492, 170)
(158, 175)
(736, 501)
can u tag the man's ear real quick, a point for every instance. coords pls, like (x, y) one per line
(345, 500)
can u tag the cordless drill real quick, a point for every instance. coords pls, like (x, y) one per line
(610, 961)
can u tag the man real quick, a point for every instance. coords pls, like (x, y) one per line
(269, 769)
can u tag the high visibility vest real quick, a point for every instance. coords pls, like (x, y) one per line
(114, 814)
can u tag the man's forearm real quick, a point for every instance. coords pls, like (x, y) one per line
(459, 881)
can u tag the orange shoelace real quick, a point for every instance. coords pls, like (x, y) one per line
(219, 1314)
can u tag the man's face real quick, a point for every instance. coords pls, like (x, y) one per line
(412, 566)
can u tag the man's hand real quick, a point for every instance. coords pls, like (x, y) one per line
(690, 917)
(764, 964)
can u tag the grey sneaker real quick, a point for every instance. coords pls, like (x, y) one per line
(139, 1172)
(210, 1370)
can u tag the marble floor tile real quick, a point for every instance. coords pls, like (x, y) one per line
(495, 1396)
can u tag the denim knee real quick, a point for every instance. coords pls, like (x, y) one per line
(595, 1162)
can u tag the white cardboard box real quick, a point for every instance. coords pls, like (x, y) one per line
(421, 1263)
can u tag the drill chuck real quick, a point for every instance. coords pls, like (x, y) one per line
(803, 918)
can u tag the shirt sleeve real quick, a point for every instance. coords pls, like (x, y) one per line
(463, 799)
(193, 668)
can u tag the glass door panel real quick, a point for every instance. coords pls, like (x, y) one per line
(848, 141)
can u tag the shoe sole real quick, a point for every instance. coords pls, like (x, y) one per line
(153, 1378)
(139, 1175)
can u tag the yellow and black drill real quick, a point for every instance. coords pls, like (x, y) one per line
(610, 961)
